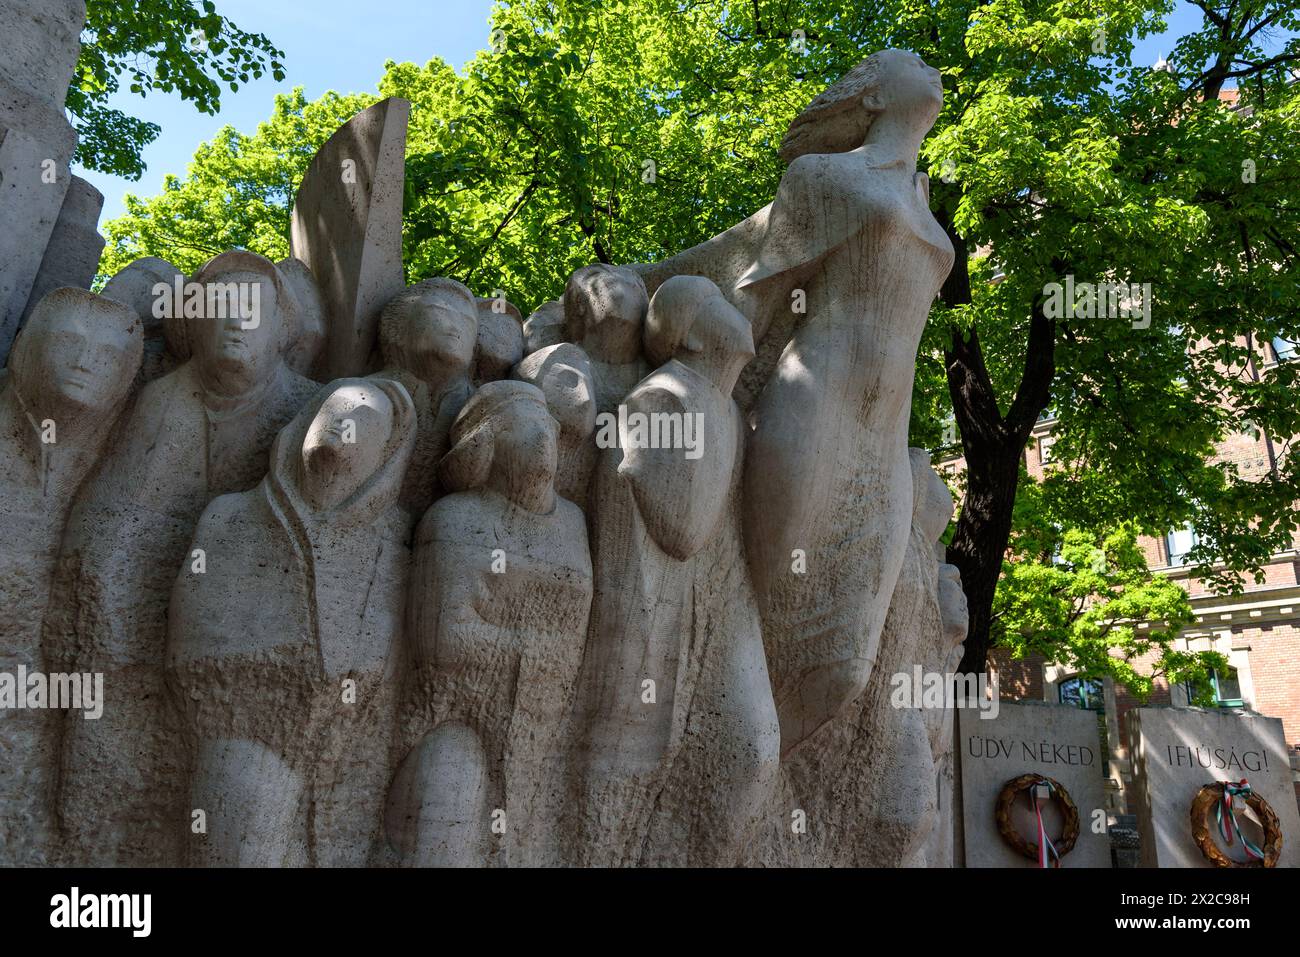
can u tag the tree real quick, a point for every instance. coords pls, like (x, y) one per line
(1086, 599)
(237, 193)
(155, 45)
(624, 132)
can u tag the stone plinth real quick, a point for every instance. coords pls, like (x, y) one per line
(1056, 741)
(1176, 751)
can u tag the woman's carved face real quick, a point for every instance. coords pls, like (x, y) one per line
(237, 340)
(442, 331)
(907, 85)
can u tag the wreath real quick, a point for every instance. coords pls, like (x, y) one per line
(1045, 849)
(1219, 796)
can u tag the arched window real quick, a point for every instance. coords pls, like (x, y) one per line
(1086, 693)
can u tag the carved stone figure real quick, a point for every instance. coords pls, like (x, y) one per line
(678, 735)
(850, 240)
(306, 347)
(563, 373)
(427, 335)
(498, 611)
(139, 286)
(69, 375)
(869, 785)
(285, 662)
(545, 327)
(500, 340)
(200, 431)
(284, 647)
(604, 313)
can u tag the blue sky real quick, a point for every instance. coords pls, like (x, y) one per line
(328, 45)
(342, 45)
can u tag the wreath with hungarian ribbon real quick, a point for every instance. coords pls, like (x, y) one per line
(1221, 797)
(1038, 788)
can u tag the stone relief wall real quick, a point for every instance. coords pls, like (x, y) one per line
(382, 575)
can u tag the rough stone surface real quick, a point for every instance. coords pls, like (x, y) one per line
(198, 432)
(137, 287)
(33, 181)
(72, 254)
(289, 695)
(851, 242)
(1058, 741)
(874, 786)
(498, 610)
(70, 373)
(1176, 751)
(39, 46)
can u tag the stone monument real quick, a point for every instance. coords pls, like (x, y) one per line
(626, 584)
(1177, 753)
(1057, 742)
(39, 46)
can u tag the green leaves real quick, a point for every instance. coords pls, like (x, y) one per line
(159, 45)
(1084, 598)
(237, 193)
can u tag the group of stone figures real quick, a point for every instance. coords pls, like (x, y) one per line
(420, 615)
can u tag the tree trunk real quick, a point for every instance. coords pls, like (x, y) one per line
(993, 446)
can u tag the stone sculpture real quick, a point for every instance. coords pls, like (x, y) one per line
(73, 251)
(680, 737)
(289, 691)
(141, 286)
(69, 374)
(604, 313)
(307, 342)
(850, 240)
(427, 336)
(38, 54)
(346, 226)
(545, 327)
(500, 340)
(198, 432)
(563, 373)
(659, 580)
(498, 614)
(872, 788)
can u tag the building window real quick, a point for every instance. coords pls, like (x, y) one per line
(1285, 349)
(1086, 693)
(1226, 688)
(1045, 448)
(1178, 543)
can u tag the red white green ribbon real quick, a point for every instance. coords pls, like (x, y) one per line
(1229, 791)
(1047, 856)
